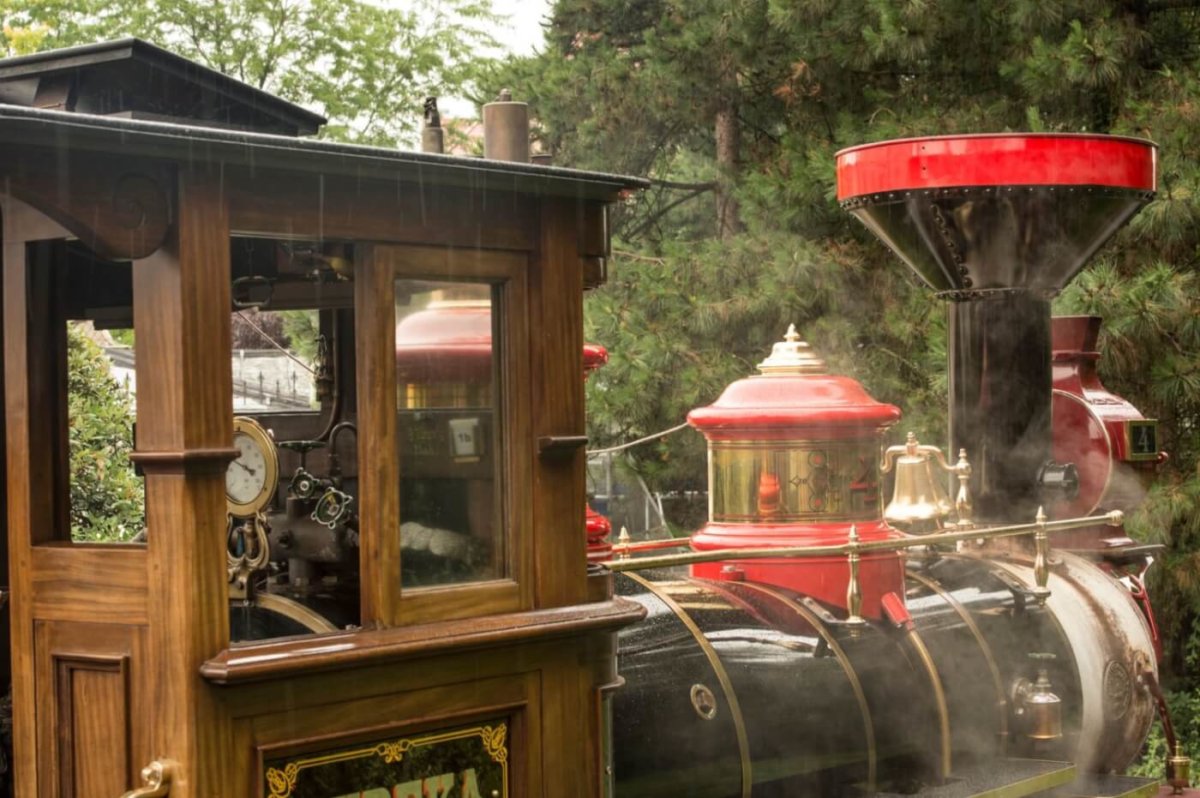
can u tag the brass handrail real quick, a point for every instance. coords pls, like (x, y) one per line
(1114, 518)
(635, 546)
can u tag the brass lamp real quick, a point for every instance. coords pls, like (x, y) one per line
(919, 502)
(1038, 707)
(1043, 710)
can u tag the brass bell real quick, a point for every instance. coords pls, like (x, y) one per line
(918, 498)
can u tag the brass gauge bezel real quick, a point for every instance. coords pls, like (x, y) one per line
(261, 438)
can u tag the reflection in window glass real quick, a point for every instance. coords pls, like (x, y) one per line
(450, 493)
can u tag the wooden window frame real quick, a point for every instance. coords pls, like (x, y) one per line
(384, 602)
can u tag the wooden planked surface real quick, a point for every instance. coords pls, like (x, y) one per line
(327, 207)
(102, 584)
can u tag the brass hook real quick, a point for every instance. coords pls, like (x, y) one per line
(157, 776)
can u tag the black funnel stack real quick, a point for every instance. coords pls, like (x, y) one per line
(997, 225)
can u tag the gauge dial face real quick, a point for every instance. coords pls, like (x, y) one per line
(251, 478)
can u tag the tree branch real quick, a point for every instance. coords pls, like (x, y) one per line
(629, 255)
(653, 218)
(705, 186)
(1167, 5)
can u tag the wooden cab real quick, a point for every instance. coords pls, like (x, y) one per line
(373, 583)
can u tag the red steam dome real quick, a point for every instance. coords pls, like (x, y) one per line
(794, 461)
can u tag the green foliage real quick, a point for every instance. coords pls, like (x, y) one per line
(633, 86)
(1184, 705)
(680, 330)
(301, 331)
(364, 65)
(107, 498)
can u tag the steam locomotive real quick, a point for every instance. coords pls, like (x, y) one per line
(823, 645)
(985, 632)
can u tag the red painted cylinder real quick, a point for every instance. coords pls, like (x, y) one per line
(1113, 446)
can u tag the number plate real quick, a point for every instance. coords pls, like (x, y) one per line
(1141, 440)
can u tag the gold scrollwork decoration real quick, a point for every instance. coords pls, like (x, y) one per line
(495, 740)
(281, 781)
(393, 752)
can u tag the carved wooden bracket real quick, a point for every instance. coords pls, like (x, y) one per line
(593, 243)
(119, 208)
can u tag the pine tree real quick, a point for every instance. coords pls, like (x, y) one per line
(635, 87)
(365, 65)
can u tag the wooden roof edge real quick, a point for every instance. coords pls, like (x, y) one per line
(134, 137)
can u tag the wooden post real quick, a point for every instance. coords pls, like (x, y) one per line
(379, 474)
(556, 325)
(182, 314)
(31, 516)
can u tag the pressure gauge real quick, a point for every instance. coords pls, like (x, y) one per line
(251, 479)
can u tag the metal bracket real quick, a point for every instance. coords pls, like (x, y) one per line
(560, 445)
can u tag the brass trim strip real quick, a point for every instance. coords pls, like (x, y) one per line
(295, 611)
(792, 443)
(838, 652)
(735, 709)
(984, 647)
(939, 696)
(1147, 790)
(1034, 785)
(738, 519)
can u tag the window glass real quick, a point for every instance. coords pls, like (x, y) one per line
(448, 432)
(107, 496)
(292, 490)
(275, 360)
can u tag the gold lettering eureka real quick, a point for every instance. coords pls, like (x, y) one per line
(447, 785)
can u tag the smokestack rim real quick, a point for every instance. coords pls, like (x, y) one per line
(996, 159)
